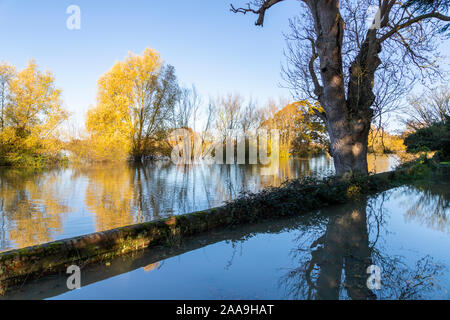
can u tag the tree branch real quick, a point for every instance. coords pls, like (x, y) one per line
(318, 89)
(260, 12)
(408, 23)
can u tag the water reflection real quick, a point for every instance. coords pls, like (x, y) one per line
(32, 209)
(322, 255)
(341, 252)
(55, 204)
(334, 266)
(431, 208)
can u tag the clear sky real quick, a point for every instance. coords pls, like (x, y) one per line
(209, 46)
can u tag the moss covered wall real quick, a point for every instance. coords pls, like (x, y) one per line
(16, 266)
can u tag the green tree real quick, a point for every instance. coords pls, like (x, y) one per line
(436, 137)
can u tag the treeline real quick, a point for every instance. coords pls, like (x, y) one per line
(140, 103)
(383, 142)
(428, 123)
(435, 137)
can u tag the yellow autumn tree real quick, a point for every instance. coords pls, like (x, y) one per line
(302, 132)
(133, 103)
(32, 114)
(6, 74)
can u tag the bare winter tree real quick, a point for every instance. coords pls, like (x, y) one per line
(186, 108)
(337, 59)
(208, 123)
(228, 113)
(6, 74)
(251, 117)
(430, 107)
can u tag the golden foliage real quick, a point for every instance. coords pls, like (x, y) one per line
(126, 112)
(382, 142)
(30, 117)
(301, 131)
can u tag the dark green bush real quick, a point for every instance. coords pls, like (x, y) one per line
(432, 138)
(302, 195)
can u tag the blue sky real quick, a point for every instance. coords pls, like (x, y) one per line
(209, 46)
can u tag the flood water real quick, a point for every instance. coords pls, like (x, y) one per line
(38, 207)
(405, 232)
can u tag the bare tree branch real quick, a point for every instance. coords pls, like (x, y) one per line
(410, 22)
(261, 11)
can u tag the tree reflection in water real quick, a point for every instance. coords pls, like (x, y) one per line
(37, 207)
(25, 221)
(432, 207)
(334, 266)
(332, 250)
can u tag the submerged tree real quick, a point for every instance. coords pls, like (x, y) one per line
(337, 45)
(134, 100)
(32, 111)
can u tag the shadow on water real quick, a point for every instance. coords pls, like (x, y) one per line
(327, 254)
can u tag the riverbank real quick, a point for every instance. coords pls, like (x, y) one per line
(292, 198)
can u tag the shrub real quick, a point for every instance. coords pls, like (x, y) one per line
(433, 138)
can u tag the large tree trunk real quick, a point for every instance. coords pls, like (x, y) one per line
(349, 144)
(348, 118)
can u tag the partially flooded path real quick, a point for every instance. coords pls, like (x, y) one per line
(405, 232)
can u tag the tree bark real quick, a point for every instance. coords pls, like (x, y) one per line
(348, 118)
(349, 146)
(349, 113)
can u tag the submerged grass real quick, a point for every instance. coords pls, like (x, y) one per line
(306, 194)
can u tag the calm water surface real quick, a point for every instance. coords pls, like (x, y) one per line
(41, 207)
(323, 255)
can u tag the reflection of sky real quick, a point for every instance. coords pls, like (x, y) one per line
(101, 198)
(256, 267)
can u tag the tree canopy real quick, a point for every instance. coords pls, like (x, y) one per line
(354, 68)
(32, 112)
(134, 100)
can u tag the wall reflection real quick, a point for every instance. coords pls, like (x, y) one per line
(327, 254)
(54, 204)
